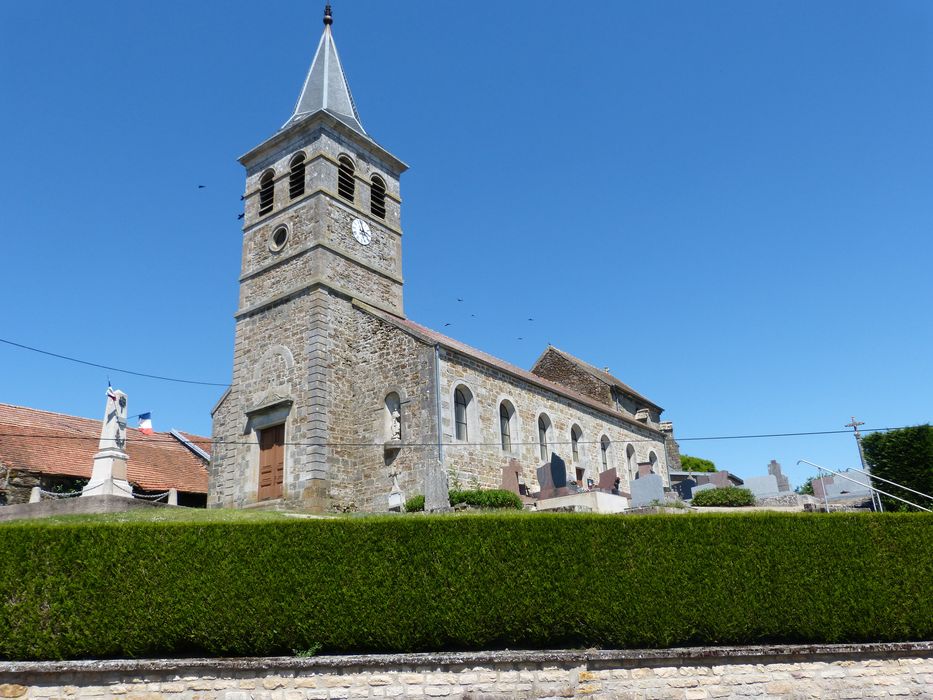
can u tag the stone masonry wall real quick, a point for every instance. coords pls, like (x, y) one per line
(482, 464)
(370, 359)
(554, 366)
(844, 671)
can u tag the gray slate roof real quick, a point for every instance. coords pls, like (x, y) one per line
(326, 88)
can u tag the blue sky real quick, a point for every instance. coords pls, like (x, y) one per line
(727, 203)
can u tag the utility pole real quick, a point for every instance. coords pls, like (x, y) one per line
(875, 498)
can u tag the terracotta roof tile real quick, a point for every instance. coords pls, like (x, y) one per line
(58, 444)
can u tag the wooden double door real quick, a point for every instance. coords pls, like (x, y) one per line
(271, 462)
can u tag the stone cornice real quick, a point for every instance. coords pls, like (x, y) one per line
(281, 137)
(306, 286)
(346, 255)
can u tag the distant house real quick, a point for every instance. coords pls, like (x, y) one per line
(56, 452)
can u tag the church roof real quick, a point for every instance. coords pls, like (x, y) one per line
(57, 444)
(600, 374)
(326, 88)
(431, 336)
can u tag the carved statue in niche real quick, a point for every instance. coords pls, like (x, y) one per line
(393, 407)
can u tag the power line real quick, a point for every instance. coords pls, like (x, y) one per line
(112, 369)
(550, 443)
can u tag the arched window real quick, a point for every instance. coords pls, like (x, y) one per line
(630, 462)
(604, 451)
(377, 197)
(266, 192)
(296, 176)
(544, 427)
(575, 434)
(505, 425)
(460, 413)
(653, 459)
(346, 184)
(393, 417)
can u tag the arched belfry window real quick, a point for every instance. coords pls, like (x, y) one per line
(604, 451)
(575, 434)
(505, 425)
(377, 197)
(296, 176)
(266, 192)
(544, 428)
(461, 402)
(346, 184)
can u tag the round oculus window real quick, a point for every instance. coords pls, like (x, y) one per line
(279, 239)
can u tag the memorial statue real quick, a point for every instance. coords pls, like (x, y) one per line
(108, 477)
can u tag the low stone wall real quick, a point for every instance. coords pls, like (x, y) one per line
(837, 671)
(79, 505)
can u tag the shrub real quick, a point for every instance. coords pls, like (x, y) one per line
(490, 498)
(415, 504)
(904, 456)
(388, 584)
(696, 464)
(730, 496)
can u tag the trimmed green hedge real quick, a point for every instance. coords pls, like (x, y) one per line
(387, 584)
(729, 496)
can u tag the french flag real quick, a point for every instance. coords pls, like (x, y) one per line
(145, 423)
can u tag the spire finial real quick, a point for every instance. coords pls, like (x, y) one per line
(328, 17)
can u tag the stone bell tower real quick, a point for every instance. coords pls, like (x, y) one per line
(321, 231)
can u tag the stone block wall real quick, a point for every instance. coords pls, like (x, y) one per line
(369, 360)
(842, 671)
(482, 463)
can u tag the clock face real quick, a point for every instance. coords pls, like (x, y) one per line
(361, 232)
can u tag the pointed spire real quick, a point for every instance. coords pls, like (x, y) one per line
(326, 86)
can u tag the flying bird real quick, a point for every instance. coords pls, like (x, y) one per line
(459, 299)
(201, 187)
(531, 319)
(521, 338)
(446, 324)
(240, 216)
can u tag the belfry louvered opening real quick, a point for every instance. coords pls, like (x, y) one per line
(266, 192)
(377, 197)
(346, 184)
(296, 176)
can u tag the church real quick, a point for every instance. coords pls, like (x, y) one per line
(339, 401)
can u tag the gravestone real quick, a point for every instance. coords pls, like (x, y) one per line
(702, 487)
(684, 488)
(647, 488)
(108, 476)
(511, 477)
(644, 469)
(763, 486)
(607, 480)
(552, 478)
(436, 488)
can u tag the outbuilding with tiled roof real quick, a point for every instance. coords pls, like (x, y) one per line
(56, 451)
